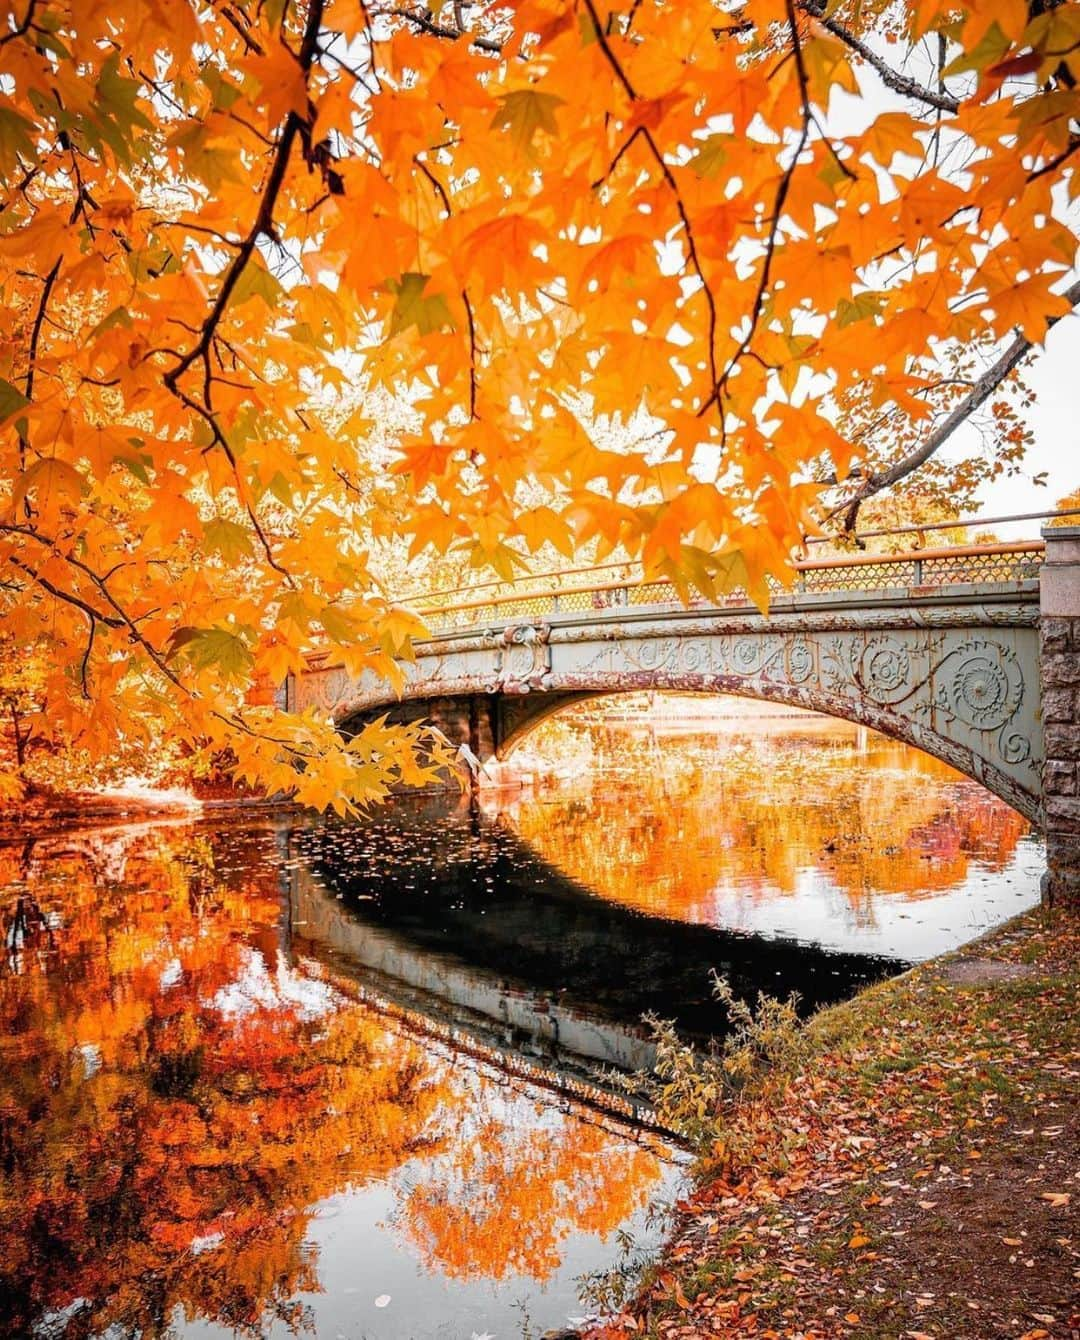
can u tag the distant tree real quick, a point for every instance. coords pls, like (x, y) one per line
(1071, 501)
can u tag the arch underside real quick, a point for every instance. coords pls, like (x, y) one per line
(521, 716)
(961, 683)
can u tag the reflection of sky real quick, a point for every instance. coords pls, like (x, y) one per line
(804, 829)
(817, 912)
(361, 1260)
(255, 988)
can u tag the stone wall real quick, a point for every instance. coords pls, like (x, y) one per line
(1059, 637)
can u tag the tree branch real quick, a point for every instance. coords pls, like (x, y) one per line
(899, 83)
(22, 27)
(720, 383)
(669, 178)
(68, 597)
(980, 392)
(35, 336)
(426, 24)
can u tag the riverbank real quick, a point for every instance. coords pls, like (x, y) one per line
(49, 811)
(914, 1176)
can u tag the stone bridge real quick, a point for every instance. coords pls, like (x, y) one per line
(971, 654)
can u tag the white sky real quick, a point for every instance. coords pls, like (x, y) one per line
(1054, 375)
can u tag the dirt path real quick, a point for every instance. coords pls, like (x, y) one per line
(919, 1177)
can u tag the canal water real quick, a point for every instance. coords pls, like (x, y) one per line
(274, 1076)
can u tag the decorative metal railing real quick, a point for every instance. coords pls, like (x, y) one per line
(614, 585)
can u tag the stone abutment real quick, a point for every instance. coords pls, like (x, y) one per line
(1059, 652)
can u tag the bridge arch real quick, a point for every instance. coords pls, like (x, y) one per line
(960, 652)
(526, 716)
(957, 678)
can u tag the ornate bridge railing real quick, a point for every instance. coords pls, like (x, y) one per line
(615, 585)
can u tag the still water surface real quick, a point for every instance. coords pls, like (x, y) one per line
(268, 1076)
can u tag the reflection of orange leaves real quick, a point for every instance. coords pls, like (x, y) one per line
(511, 1194)
(139, 1111)
(668, 824)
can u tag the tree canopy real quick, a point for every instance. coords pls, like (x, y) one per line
(291, 285)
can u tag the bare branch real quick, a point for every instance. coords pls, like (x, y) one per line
(35, 336)
(22, 27)
(899, 83)
(426, 24)
(980, 392)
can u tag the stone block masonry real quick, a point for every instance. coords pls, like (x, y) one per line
(1059, 649)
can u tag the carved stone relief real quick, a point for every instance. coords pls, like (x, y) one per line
(962, 679)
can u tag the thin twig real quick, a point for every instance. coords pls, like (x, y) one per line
(720, 385)
(669, 178)
(981, 391)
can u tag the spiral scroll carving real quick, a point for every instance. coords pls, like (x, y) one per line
(981, 684)
(883, 670)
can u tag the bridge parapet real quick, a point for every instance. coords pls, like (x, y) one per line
(616, 585)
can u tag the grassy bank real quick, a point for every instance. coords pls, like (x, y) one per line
(913, 1173)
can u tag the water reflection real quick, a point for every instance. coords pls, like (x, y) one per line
(804, 827)
(453, 901)
(192, 1118)
(276, 1077)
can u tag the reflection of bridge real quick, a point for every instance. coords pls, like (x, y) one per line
(447, 911)
(939, 648)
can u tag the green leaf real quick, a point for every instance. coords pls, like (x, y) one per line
(296, 609)
(206, 648)
(860, 308)
(227, 538)
(136, 463)
(119, 316)
(712, 155)
(48, 478)
(281, 489)
(15, 139)
(337, 623)
(116, 99)
(991, 49)
(413, 308)
(256, 281)
(12, 400)
(150, 262)
(223, 91)
(525, 111)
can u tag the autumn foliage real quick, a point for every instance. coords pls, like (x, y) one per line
(297, 294)
(179, 1092)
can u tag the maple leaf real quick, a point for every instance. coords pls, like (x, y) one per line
(424, 461)
(230, 539)
(524, 112)
(1029, 305)
(428, 312)
(213, 648)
